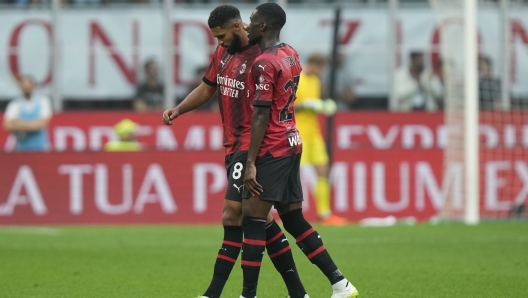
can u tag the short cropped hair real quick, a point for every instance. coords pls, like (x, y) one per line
(416, 54)
(273, 14)
(222, 15)
(317, 59)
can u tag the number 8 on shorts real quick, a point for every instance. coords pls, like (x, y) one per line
(237, 170)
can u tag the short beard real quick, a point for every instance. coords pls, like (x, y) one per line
(236, 45)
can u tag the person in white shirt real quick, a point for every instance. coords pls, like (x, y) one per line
(28, 116)
(416, 88)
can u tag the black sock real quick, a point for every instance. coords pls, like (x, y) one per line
(280, 254)
(225, 260)
(311, 244)
(254, 245)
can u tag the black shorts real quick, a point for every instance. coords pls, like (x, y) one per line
(235, 165)
(280, 179)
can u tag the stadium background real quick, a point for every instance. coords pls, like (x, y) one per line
(88, 57)
(385, 162)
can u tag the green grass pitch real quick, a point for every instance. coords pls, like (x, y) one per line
(489, 260)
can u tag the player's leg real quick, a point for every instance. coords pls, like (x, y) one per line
(280, 253)
(232, 223)
(230, 249)
(232, 241)
(276, 243)
(278, 248)
(322, 192)
(272, 174)
(322, 198)
(255, 212)
(318, 157)
(308, 239)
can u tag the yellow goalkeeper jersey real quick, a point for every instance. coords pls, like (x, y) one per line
(309, 88)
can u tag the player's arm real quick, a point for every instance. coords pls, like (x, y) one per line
(259, 123)
(264, 73)
(194, 100)
(324, 106)
(199, 95)
(11, 122)
(311, 102)
(17, 125)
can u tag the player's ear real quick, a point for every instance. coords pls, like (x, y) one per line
(263, 26)
(237, 26)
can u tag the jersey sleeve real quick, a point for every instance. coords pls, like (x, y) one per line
(210, 75)
(11, 112)
(264, 73)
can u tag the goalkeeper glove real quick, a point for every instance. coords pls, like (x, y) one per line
(329, 107)
(313, 104)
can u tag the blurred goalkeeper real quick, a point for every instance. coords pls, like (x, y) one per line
(307, 106)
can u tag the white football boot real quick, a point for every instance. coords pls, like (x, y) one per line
(344, 289)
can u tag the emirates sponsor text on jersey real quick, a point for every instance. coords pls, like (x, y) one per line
(229, 87)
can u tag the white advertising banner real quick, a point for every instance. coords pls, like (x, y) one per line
(103, 51)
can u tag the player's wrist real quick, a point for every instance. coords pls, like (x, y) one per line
(177, 111)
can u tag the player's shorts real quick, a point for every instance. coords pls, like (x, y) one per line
(235, 165)
(314, 150)
(280, 179)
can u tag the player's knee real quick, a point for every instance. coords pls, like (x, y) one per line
(294, 221)
(231, 217)
(288, 225)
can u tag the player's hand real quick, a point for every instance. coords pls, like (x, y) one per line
(250, 180)
(169, 115)
(314, 104)
(330, 107)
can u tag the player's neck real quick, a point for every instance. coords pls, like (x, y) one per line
(269, 42)
(308, 70)
(152, 82)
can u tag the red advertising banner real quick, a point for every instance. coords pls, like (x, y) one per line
(81, 131)
(383, 164)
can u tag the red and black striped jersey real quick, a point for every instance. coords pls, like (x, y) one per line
(228, 73)
(274, 78)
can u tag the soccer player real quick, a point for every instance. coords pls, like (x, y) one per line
(307, 105)
(227, 75)
(272, 168)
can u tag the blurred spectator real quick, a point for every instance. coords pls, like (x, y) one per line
(28, 116)
(149, 95)
(86, 2)
(344, 84)
(26, 3)
(436, 81)
(217, 1)
(211, 104)
(489, 87)
(126, 132)
(416, 88)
